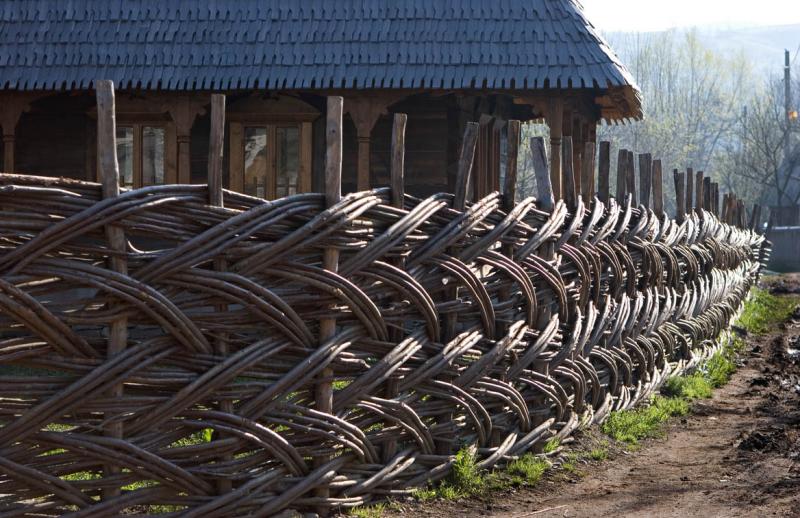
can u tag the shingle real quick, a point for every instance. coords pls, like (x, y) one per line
(376, 43)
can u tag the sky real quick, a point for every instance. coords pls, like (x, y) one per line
(656, 15)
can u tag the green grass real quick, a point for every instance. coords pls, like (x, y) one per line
(570, 462)
(763, 310)
(630, 426)
(527, 470)
(693, 386)
(598, 454)
(368, 511)
(551, 445)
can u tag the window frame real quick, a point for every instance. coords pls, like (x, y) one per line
(237, 125)
(170, 172)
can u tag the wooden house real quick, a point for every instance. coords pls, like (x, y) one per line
(443, 62)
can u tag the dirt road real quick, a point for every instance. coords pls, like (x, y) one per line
(737, 454)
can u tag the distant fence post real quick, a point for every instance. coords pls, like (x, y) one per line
(698, 192)
(630, 175)
(587, 172)
(115, 235)
(544, 190)
(645, 178)
(622, 172)
(658, 189)
(604, 171)
(680, 195)
(510, 184)
(323, 393)
(568, 173)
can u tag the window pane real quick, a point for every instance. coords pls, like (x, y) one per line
(255, 161)
(125, 155)
(288, 170)
(152, 156)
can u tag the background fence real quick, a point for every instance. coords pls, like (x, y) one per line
(184, 348)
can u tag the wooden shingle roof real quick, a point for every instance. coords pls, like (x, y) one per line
(307, 44)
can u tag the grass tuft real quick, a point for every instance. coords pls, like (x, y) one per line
(763, 310)
(368, 511)
(631, 426)
(527, 470)
(551, 445)
(693, 386)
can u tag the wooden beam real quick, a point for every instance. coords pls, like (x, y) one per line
(512, 152)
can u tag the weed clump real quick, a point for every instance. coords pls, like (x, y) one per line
(631, 426)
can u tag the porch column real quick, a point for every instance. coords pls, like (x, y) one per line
(11, 110)
(184, 112)
(365, 112)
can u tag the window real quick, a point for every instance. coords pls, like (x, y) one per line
(141, 152)
(270, 160)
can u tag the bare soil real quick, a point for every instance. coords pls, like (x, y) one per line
(736, 454)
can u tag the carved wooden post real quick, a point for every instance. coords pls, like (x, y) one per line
(11, 110)
(397, 182)
(658, 189)
(604, 171)
(184, 111)
(568, 174)
(323, 393)
(680, 196)
(645, 178)
(115, 235)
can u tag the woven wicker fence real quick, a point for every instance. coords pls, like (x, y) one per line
(453, 328)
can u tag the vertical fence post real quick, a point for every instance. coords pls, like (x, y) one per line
(544, 193)
(115, 235)
(587, 172)
(645, 178)
(680, 197)
(465, 165)
(398, 188)
(215, 198)
(604, 171)
(658, 189)
(568, 173)
(689, 189)
(755, 217)
(698, 192)
(707, 193)
(510, 184)
(323, 392)
(544, 189)
(630, 175)
(622, 173)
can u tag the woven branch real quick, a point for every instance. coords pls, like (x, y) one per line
(476, 328)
